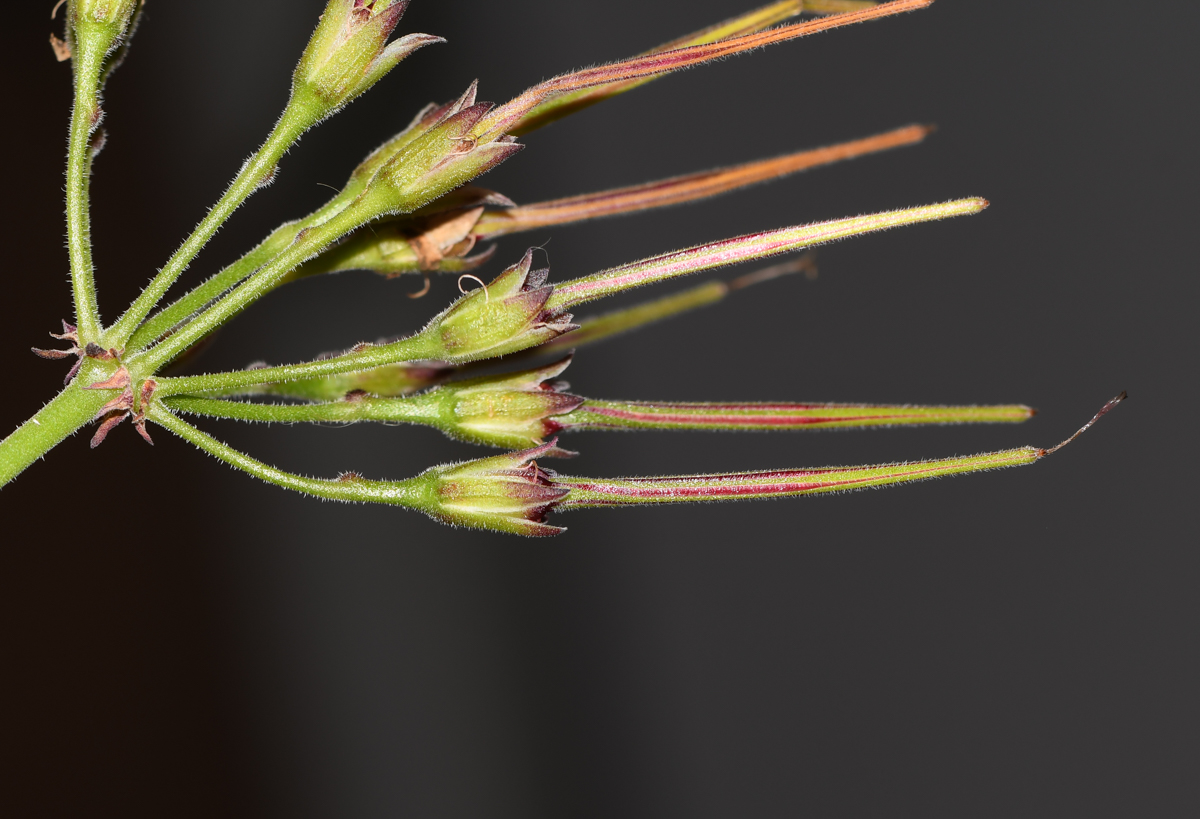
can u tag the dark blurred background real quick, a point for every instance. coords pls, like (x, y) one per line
(181, 640)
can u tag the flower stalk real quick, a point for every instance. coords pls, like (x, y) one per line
(95, 31)
(346, 55)
(405, 378)
(348, 487)
(283, 236)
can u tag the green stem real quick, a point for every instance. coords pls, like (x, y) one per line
(415, 410)
(389, 381)
(71, 409)
(166, 319)
(349, 489)
(239, 271)
(87, 63)
(416, 348)
(306, 245)
(258, 170)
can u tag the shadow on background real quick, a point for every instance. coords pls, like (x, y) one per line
(182, 640)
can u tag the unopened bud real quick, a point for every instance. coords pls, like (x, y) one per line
(514, 411)
(438, 242)
(504, 316)
(506, 493)
(349, 52)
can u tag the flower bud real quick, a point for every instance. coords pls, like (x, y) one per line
(506, 493)
(444, 156)
(425, 119)
(437, 242)
(349, 52)
(514, 411)
(505, 316)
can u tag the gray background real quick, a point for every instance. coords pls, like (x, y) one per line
(179, 639)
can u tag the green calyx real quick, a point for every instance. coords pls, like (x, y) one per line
(349, 52)
(505, 493)
(507, 315)
(513, 411)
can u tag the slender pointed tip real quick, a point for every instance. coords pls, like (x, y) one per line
(1042, 453)
(141, 429)
(51, 355)
(928, 128)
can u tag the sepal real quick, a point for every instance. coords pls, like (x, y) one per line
(505, 316)
(448, 154)
(514, 410)
(440, 242)
(506, 493)
(349, 52)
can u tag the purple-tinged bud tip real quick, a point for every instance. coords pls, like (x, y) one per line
(507, 315)
(514, 410)
(507, 493)
(349, 52)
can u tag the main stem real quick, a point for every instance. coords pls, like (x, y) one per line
(87, 65)
(70, 410)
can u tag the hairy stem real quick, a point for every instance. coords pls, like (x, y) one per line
(256, 172)
(389, 410)
(304, 247)
(87, 64)
(167, 318)
(399, 493)
(71, 409)
(416, 348)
